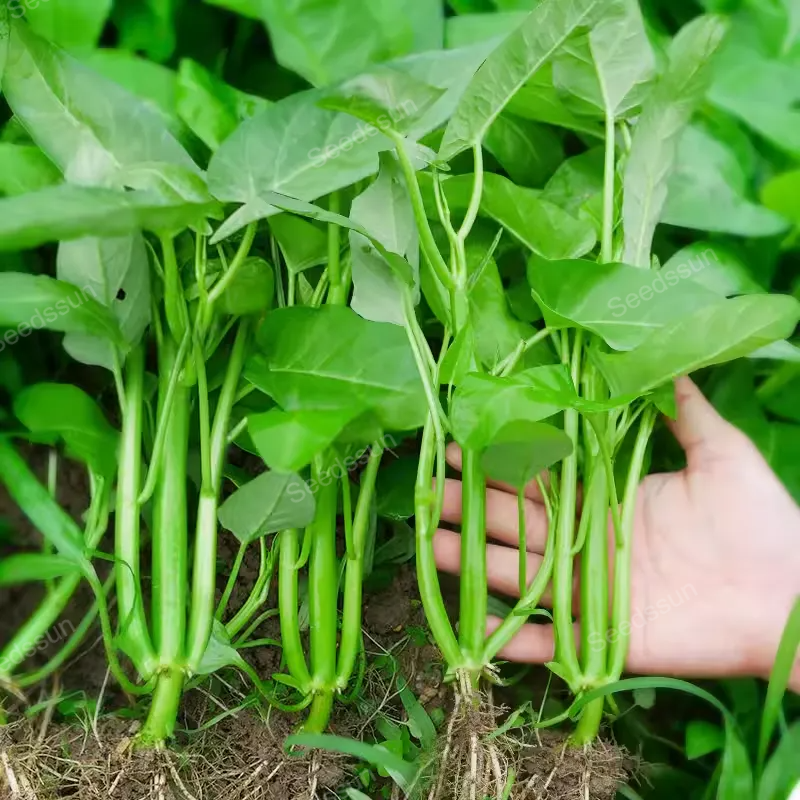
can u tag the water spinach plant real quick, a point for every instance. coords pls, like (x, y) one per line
(600, 375)
(412, 255)
(170, 319)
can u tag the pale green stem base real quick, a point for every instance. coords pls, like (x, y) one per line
(320, 714)
(588, 726)
(160, 723)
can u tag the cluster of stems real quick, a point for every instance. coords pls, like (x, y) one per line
(575, 531)
(333, 659)
(168, 645)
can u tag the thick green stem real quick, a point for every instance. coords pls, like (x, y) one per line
(323, 587)
(170, 536)
(135, 636)
(337, 294)
(354, 575)
(607, 243)
(589, 724)
(238, 260)
(594, 582)
(427, 241)
(621, 609)
(563, 587)
(160, 723)
(474, 581)
(320, 713)
(427, 576)
(204, 573)
(288, 602)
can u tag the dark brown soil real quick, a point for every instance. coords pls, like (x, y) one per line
(240, 758)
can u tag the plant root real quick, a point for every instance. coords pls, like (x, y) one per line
(553, 769)
(473, 762)
(238, 759)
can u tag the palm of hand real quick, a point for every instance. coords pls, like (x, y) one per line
(716, 556)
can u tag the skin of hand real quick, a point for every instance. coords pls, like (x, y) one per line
(716, 555)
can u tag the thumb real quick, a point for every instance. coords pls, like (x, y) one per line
(700, 429)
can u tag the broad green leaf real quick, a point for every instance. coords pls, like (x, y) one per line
(325, 42)
(540, 225)
(219, 652)
(300, 150)
(25, 168)
(708, 190)
(384, 209)
(523, 449)
(622, 304)
(67, 211)
(297, 149)
(330, 358)
(210, 107)
(577, 186)
(154, 84)
(610, 65)
(467, 29)
(55, 525)
(34, 567)
(35, 302)
(148, 26)
(252, 290)
(540, 100)
(72, 24)
(779, 351)
(716, 267)
(782, 194)
(117, 273)
(90, 127)
(530, 153)
(66, 412)
(731, 329)
(484, 404)
(654, 149)
(703, 738)
(386, 97)
(303, 244)
(758, 87)
(510, 65)
(289, 440)
(271, 502)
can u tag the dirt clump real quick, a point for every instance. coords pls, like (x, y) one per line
(240, 758)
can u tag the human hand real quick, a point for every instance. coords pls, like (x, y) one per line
(716, 555)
